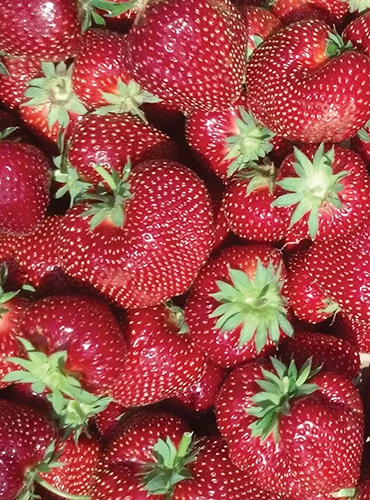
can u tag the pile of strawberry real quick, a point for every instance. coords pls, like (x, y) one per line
(184, 250)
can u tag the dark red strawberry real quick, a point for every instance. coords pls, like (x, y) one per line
(353, 330)
(169, 41)
(248, 204)
(293, 88)
(290, 430)
(107, 420)
(308, 302)
(327, 192)
(330, 11)
(13, 81)
(260, 24)
(24, 187)
(47, 32)
(236, 309)
(334, 354)
(50, 107)
(149, 238)
(109, 140)
(161, 362)
(358, 32)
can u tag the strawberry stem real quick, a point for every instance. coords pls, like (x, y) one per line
(55, 491)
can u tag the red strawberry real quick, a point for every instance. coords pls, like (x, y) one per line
(353, 330)
(248, 205)
(149, 244)
(237, 310)
(161, 362)
(334, 354)
(292, 82)
(13, 83)
(327, 192)
(308, 302)
(50, 106)
(358, 31)
(71, 352)
(107, 420)
(260, 24)
(228, 139)
(169, 41)
(330, 11)
(360, 143)
(24, 187)
(110, 139)
(292, 437)
(45, 32)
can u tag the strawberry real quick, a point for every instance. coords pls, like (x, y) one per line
(333, 354)
(48, 33)
(13, 81)
(248, 204)
(228, 139)
(360, 143)
(61, 336)
(24, 187)
(353, 330)
(169, 41)
(50, 106)
(308, 302)
(236, 309)
(149, 239)
(161, 362)
(286, 427)
(108, 140)
(330, 11)
(107, 420)
(292, 84)
(358, 31)
(327, 192)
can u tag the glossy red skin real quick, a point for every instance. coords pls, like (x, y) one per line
(358, 32)
(24, 188)
(259, 22)
(123, 458)
(200, 396)
(305, 462)
(98, 65)
(334, 354)
(362, 147)
(252, 216)
(305, 296)
(220, 347)
(107, 420)
(24, 437)
(110, 140)
(76, 475)
(160, 362)
(330, 11)
(286, 78)
(48, 32)
(170, 39)
(165, 240)
(353, 330)
(86, 329)
(355, 197)
(341, 268)
(13, 86)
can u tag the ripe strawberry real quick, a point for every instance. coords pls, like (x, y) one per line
(169, 41)
(353, 330)
(358, 31)
(13, 82)
(287, 435)
(334, 354)
(149, 238)
(360, 143)
(292, 84)
(236, 309)
(228, 139)
(260, 24)
(24, 187)
(107, 420)
(160, 362)
(330, 11)
(50, 106)
(308, 302)
(108, 140)
(248, 204)
(46, 33)
(327, 192)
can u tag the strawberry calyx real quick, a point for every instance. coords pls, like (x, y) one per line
(169, 467)
(259, 175)
(7, 132)
(177, 316)
(278, 390)
(257, 41)
(349, 493)
(257, 305)
(72, 405)
(335, 44)
(315, 186)
(252, 141)
(55, 91)
(358, 5)
(128, 99)
(330, 307)
(363, 133)
(109, 8)
(7, 296)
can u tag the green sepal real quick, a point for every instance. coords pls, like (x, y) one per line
(257, 40)
(110, 9)
(346, 492)
(177, 316)
(3, 69)
(7, 132)
(335, 44)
